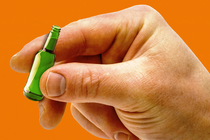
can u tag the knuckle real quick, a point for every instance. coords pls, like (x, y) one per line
(149, 12)
(87, 84)
(144, 8)
(91, 82)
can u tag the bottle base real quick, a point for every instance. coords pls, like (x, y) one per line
(32, 96)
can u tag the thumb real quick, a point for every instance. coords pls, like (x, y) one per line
(82, 83)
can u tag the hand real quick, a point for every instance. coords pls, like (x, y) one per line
(127, 75)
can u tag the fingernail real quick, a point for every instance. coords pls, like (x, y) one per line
(121, 136)
(15, 55)
(56, 84)
(41, 110)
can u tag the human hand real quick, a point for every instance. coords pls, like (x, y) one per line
(134, 75)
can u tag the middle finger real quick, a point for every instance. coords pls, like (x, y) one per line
(105, 118)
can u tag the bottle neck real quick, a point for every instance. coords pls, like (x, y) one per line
(52, 39)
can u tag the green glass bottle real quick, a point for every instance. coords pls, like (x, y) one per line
(43, 60)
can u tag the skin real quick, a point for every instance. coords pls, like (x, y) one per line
(126, 73)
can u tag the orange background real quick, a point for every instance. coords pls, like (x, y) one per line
(23, 20)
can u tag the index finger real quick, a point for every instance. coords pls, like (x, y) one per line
(91, 36)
